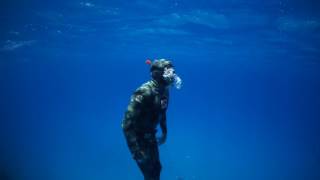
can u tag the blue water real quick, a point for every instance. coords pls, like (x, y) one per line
(248, 110)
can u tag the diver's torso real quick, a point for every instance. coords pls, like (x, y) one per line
(155, 105)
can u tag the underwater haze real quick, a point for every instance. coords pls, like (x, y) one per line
(249, 108)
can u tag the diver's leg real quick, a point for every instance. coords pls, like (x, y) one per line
(150, 166)
(133, 142)
(155, 161)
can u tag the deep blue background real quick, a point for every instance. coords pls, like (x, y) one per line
(249, 108)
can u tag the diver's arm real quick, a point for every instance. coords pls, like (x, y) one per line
(137, 103)
(163, 123)
(131, 115)
(163, 126)
(129, 124)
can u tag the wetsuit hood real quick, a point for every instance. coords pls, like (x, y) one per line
(157, 70)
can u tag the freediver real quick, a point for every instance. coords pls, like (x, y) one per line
(146, 110)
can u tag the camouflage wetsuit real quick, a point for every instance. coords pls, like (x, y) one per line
(146, 110)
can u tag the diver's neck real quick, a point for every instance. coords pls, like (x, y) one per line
(159, 84)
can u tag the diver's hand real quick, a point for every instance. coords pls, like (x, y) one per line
(162, 139)
(140, 156)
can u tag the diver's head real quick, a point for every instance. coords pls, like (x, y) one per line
(163, 72)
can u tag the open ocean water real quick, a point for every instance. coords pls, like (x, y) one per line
(249, 108)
